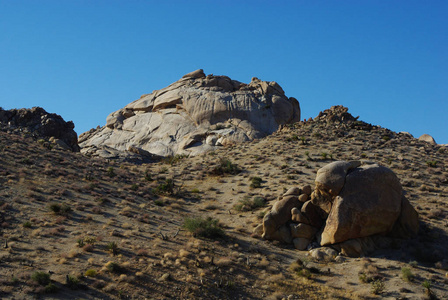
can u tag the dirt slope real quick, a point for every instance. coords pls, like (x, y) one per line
(129, 215)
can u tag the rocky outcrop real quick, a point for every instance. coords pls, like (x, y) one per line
(355, 207)
(193, 115)
(427, 138)
(41, 124)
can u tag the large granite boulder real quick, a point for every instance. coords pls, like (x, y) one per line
(41, 124)
(193, 115)
(355, 208)
(368, 204)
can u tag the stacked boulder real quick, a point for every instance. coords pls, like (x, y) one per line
(355, 207)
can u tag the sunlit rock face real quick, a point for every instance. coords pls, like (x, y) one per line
(193, 115)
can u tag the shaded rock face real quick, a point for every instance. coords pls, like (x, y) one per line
(193, 115)
(354, 208)
(42, 125)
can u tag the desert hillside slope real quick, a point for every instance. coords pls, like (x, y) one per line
(104, 229)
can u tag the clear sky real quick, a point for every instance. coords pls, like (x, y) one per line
(387, 61)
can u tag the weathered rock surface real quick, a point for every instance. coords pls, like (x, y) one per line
(193, 115)
(427, 138)
(356, 207)
(41, 124)
(368, 204)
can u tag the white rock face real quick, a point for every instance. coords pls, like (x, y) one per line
(193, 115)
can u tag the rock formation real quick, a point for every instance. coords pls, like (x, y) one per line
(194, 114)
(354, 208)
(41, 124)
(427, 138)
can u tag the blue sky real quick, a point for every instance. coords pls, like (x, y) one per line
(385, 60)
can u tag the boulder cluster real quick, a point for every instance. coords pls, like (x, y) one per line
(195, 114)
(41, 124)
(354, 208)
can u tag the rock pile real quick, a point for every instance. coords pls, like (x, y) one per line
(193, 115)
(41, 124)
(354, 208)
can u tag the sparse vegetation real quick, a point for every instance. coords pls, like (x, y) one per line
(225, 166)
(431, 163)
(112, 247)
(42, 278)
(90, 273)
(166, 187)
(174, 159)
(407, 274)
(207, 228)
(59, 209)
(72, 282)
(248, 204)
(377, 287)
(255, 182)
(111, 172)
(114, 267)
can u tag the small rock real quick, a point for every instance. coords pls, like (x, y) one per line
(340, 259)
(165, 277)
(295, 191)
(307, 190)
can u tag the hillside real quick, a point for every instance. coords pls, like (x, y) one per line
(109, 229)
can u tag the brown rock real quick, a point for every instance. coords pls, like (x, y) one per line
(301, 243)
(307, 190)
(427, 138)
(303, 198)
(331, 177)
(369, 204)
(294, 191)
(313, 214)
(279, 215)
(407, 223)
(303, 230)
(298, 217)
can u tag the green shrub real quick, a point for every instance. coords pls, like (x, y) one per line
(113, 248)
(114, 267)
(41, 278)
(51, 288)
(377, 287)
(247, 204)
(90, 273)
(159, 202)
(207, 228)
(407, 274)
(59, 209)
(72, 282)
(255, 182)
(110, 172)
(225, 166)
(148, 176)
(166, 187)
(27, 224)
(432, 163)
